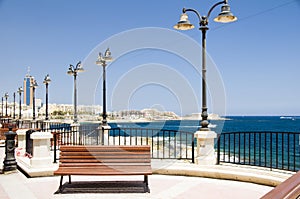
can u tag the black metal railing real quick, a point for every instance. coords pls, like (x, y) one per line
(275, 150)
(165, 144)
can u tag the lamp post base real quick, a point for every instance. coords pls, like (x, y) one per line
(205, 147)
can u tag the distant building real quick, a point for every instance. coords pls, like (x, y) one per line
(28, 91)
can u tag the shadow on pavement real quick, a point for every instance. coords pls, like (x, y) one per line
(104, 187)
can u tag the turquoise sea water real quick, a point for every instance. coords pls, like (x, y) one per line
(232, 124)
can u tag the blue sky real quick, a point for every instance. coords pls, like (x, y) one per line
(257, 57)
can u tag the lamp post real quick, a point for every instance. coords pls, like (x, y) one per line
(20, 90)
(34, 85)
(73, 71)
(14, 115)
(102, 61)
(46, 81)
(6, 97)
(224, 17)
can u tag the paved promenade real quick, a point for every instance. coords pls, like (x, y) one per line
(17, 186)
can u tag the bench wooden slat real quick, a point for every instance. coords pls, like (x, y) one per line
(67, 153)
(107, 162)
(102, 164)
(87, 158)
(104, 149)
(106, 173)
(102, 169)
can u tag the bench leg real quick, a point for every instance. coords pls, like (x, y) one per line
(60, 184)
(69, 179)
(146, 183)
(146, 179)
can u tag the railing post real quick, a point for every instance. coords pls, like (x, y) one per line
(193, 150)
(218, 148)
(54, 140)
(205, 147)
(105, 134)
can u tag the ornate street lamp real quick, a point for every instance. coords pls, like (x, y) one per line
(224, 17)
(102, 61)
(20, 90)
(46, 81)
(34, 85)
(73, 71)
(6, 97)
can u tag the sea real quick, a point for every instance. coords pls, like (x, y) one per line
(229, 124)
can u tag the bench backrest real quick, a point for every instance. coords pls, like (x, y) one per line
(290, 188)
(116, 158)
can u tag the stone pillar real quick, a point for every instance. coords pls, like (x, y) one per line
(105, 134)
(21, 141)
(205, 147)
(41, 151)
(9, 162)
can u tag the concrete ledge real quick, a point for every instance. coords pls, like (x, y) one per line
(24, 164)
(251, 174)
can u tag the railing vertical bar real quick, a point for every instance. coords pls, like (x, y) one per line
(277, 150)
(163, 145)
(136, 137)
(193, 149)
(254, 143)
(294, 151)
(229, 139)
(224, 149)
(54, 140)
(170, 144)
(157, 145)
(218, 148)
(180, 144)
(141, 136)
(265, 154)
(234, 148)
(152, 140)
(175, 145)
(282, 149)
(271, 150)
(288, 151)
(119, 137)
(239, 147)
(186, 146)
(130, 137)
(244, 135)
(147, 138)
(249, 148)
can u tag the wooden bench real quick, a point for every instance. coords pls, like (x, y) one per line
(104, 160)
(288, 189)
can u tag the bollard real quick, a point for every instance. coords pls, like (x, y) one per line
(9, 162)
